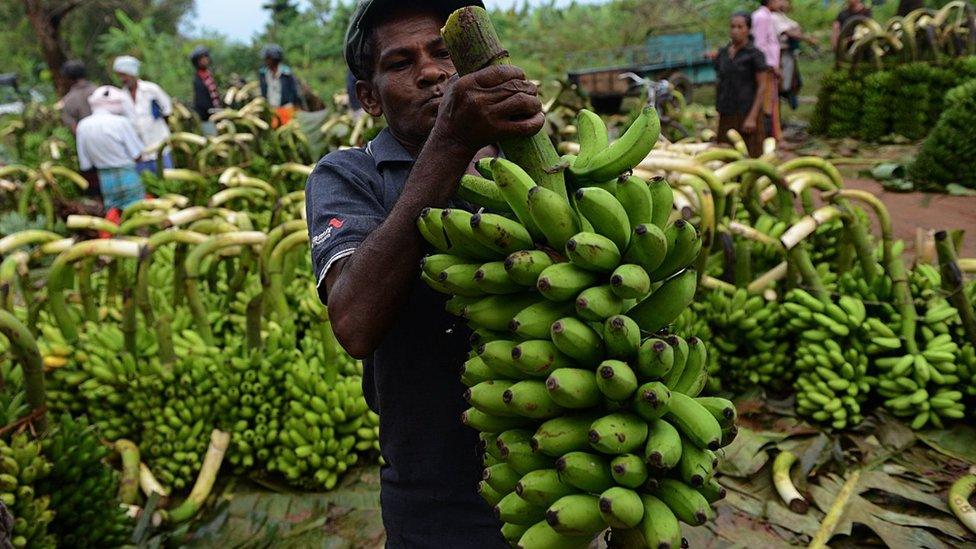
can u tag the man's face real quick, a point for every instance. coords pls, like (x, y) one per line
(776, 5)
(738, 30)
(128, 80)
(411, 71)
(204, 63)
(271, 63)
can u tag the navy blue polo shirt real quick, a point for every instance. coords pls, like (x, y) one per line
(429, 483)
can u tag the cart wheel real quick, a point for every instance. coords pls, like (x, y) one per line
(683, 84)
(607, 104)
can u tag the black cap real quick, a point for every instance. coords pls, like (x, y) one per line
(360, 23)
(198, 53)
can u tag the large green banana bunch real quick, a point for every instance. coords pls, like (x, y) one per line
(751, 338)
(22, 466)
(833, 382)
(588, 408)
(83, 488)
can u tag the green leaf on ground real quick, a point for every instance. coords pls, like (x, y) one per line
(958, 442)
(746, 455)
(956, 189)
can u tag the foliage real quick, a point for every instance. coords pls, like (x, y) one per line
(948, 153)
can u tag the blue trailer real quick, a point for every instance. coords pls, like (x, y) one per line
(679, 58)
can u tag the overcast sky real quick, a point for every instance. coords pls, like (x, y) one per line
(240, 19)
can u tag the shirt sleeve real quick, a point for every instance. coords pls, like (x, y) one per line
(342, 209)
(130, 139)
(766, 39)
(81, 143)
(164, 100)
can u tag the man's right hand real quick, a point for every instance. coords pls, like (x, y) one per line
(487, 106)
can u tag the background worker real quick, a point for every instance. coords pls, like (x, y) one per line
(279, 85)
(766, 40)
(206, 96)
(148, 106)
(741, 71)
(853, 8)
(75, 107)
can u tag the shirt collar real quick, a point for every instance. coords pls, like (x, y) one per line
(385, 148)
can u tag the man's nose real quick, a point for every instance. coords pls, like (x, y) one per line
(432, 72)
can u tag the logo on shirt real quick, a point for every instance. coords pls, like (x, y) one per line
(334, 224)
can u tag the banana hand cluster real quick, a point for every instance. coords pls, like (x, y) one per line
(22, 466)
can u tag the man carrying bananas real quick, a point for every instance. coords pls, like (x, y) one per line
(362, 207)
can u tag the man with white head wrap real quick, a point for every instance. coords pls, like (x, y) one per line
(107, 141)
(149, 107)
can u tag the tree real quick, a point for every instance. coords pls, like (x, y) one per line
(46, 20)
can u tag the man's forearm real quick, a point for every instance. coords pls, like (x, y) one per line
(374, 282)
(760, 98)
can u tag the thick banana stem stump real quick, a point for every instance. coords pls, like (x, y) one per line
(474, 45)
(219, 440)
(24, 347)
(959, 494)
(129, 482)
(952, 283)
(784, 484)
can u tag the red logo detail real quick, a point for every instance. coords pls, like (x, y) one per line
(335, 223)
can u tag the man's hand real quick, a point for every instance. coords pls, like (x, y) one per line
(749, 125)
(487, 106)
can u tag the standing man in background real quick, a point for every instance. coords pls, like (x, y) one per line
(278, 85)
(75, 107)
(854, 8)
(206, 97)
(148, 106)
(766, 40)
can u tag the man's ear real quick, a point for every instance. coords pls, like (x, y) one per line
(369, 98)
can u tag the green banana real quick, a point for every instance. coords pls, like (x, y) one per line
(562, 435)
(482, 192)
(722, 409)
(694, 376)
(629, 470)
(515, 510)
(503, 235)
(659, 527)
(713, 491)
(593, 252)
(696, 466)
(655, 358)
(635, 196)
(605, 213)
(460, 279)
(487, 397)
(648, 248)
(577, 340)
(576, 515)
(651, 400)
(680, 347)
(541, 536)
(616, 380)
(621, 507)
(432, 265)
(481, 421)
(492, 278)
(662, 200)
(542, 488)
(536, 320)
(663, 447)
(432, 229)
(514, 185)
(497, 355)
(687, 504)
(585, 471)
(564, 281)
(460, 237)
(539, 358)
(483, 166)
(515, 449)
(474, 371)
(630, 281)
(666, 303)
(694, 421)
(622, 337)
(494, 312)
(524, 267)
(624, 153)
(553, 215)
(530, 399)
(513, 532)
(501, 477)
(573, 388)
(489, 494)
(598, 303)
(618, 433)
(592, 134)
(684, 245)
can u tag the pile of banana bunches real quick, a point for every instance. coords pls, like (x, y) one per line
(588, 406)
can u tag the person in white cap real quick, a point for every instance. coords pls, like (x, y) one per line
(107, 141)
(150, 106)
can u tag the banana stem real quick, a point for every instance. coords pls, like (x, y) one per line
(858, 234)
(219, 441)
(769, 278)
(834, 514)
(255, 310)
(880, 211)
(905, 303)
(85, 270)
(717, 285)
(148, 482)
(807, 225)
(474, 44)
(953, 284)
(784, 484)
(800, 258)
(743, 262)
(967, 265)
(959, 494)
(24, 347)
(9, 269)
(276, 264)
(129, 322)
(129, 481)
(26, 238)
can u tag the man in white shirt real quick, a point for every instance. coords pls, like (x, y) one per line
(108, 142)
(149, 107)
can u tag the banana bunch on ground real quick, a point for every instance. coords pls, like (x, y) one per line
(588, 407)
(22, 466)
(175, 408)
(83, 489)
(751, 339)
(833, 382)
(320, 427)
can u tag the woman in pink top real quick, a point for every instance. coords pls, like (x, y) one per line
(766, 40)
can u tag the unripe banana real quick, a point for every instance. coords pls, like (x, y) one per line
(497, 355)
(605, 213)
(432, 265)
(460, 279)
(618, 433)
(487, 397)
(535, 321)
(482, 192)
(663, 447)
(635, 196)
(564, 281)
(503, 235)
(593, 252)
(492, 278)
(585, 471)
(655, 358)
(694, 376)
(513, 532)
(651, 400)
(542, 488)
(481, 421)
(722, 409)
(616, 380)
(577, 340)
(621, 337)
(598, 303)
(630, 281)
(680, 347)
(666, 303)
(553, 215)
(659, 527)
(592, 135)
(624, 153)
(576, 515)
(684, 245)
(514, 184)
(524, 267)
(662, 200)
(573, 388)
(483, 166)
(530, 399)
(541, 536)
(694, 421)
(515, 448)
(496, 311)
(648, 248)
(629, 470)
(687, 504)
(515, 510)
(621, 507)
(696, 466)
(501, 477)
(539, 358)
(432, 229)
(489, 494)
(460, 237)
(562, 435)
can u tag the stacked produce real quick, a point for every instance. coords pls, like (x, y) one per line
(947, 153)
(22, 466)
